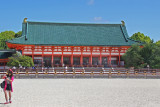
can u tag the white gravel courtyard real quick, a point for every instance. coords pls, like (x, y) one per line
(84, 93)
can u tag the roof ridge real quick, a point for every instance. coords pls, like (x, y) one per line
(15, 38)
(136, 40)
(124, 34)
(75, 23)
(18, 37)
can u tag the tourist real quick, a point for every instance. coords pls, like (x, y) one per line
(20, 68)
(24, 69)
(14, 68)
(8, 85)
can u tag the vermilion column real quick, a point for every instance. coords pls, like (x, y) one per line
(62, 48)
(72, 48)
(119, 50)
(32, 53)
(22, 49)
(81, 59)
(42, 48)
(100, 58)
(110, 50)
(91, 49)
(52, 55)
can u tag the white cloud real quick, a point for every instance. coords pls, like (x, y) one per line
(91, 2)
(100, 20)
(97, 18)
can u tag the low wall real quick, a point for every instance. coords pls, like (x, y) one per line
(86, 73)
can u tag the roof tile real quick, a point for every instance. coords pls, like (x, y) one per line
(73, 34)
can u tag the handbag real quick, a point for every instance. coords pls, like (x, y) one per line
(3, 84)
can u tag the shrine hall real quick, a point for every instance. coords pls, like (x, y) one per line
(73, 44)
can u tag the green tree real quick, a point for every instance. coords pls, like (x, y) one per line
(141, 37)
(155, 57)
(6, 35)
(2, 44)
(26, 61)
(147, 52)
(14, 60)
(132, 57)
(158, 43)
(17, 60)
(18, 34)
(141, 57)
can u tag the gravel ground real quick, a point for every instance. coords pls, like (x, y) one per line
(84, 93)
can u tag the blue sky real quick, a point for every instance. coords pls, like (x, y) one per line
(139, 15)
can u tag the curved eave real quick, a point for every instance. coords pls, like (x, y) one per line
(4, 60)
(21, 46)
(11, 44)
(7, 50)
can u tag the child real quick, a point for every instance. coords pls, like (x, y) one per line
(8, 85)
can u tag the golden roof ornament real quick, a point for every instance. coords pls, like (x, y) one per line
(123, 23)
(25, 20)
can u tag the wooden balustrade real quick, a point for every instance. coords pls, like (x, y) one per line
(88, 71)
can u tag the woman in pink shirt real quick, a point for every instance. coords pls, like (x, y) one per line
(8, 85)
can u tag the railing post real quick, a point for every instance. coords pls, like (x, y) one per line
(110, 74)
(74, 73)
(127, 74)
(83, 72)
(154, 72)
(27, 72)
(136, 73)
(64, 71)
(36, 73)
(101, 72)
(46, 71)
(145, 74)
(17, 74)
(55, 73)
(92, 74)
(119, 72)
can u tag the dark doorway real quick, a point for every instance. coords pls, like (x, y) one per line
(57, 60)
(104, 61)
(38, 62)
(76, 60)
(95, 61)
(47, 61)
(66, 60)
(85, 60)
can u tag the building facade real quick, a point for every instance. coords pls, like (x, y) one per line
(4, 54)
(73, 44)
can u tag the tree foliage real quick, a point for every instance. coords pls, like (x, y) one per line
(147, 52)
(17, 60)
(141, 57)
(158, 43)
(132, 57)
(155, 57)
(18, 34)
(141, 37)
(7, 35)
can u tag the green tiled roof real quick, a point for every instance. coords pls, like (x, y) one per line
(73, 34)
(6, 53)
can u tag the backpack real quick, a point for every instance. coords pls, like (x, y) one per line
(3, 84)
